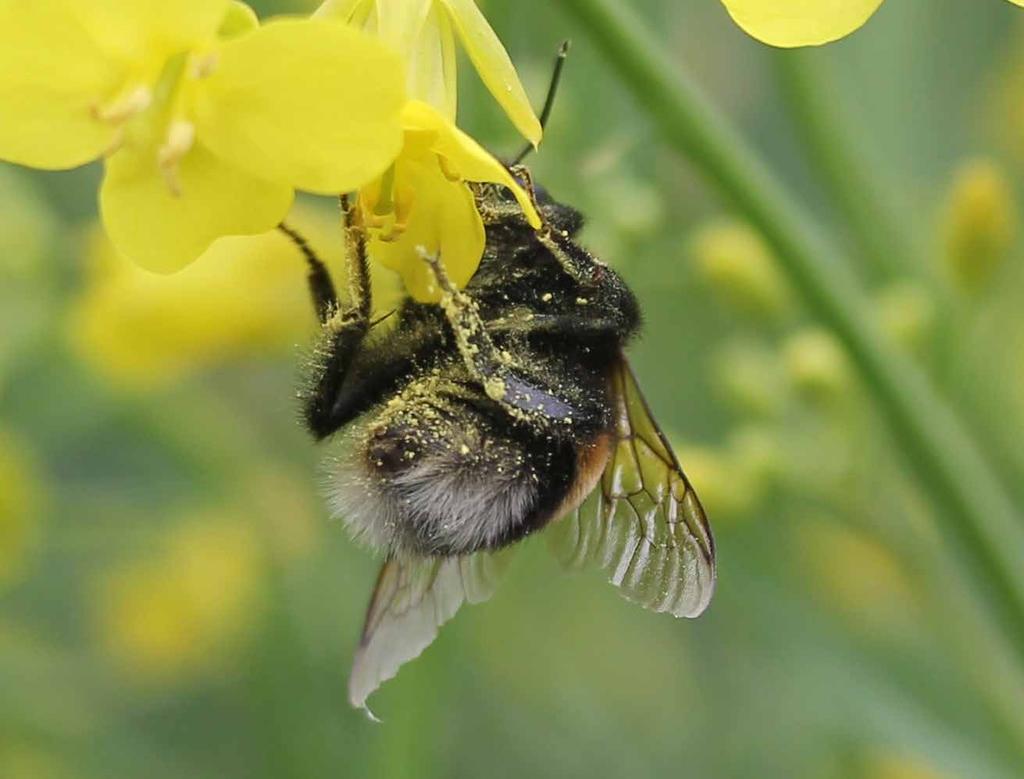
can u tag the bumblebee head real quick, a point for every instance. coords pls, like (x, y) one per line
(498, 207)
(502, 213)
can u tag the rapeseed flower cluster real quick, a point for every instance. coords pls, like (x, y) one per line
(171, 615)
(208, 122)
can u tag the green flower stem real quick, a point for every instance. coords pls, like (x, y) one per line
(803, 77)
(973, 508)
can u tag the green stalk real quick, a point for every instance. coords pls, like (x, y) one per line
(972, 507)
(829, 146)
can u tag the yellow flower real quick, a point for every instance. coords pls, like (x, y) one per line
(737, 263)
(901, 766)
(166, 617)
(749, 377)
(424, 31)
(245, 297)
(906, 313)
(816, 364)
(730, 480)
(208, 122)
(857, 575)
(27, 760)
(979, 223)
(423, 203)
(790, 23)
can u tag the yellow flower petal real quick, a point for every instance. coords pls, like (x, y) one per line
(148, 30)
(433, 67)
(164, 232)
(313, 103)
(399, 22)
(789, 23)
(494, 66)
(348, 11)
(63, 63)
(443, 221)
(52, 76)
(465, 156)
(238, 20)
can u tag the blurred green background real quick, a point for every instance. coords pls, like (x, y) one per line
(175, 601)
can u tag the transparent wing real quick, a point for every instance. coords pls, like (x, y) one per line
(412, 599)
(643, 522)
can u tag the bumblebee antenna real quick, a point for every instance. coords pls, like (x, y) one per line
(549, 101)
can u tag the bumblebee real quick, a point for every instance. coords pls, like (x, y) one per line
(456, 430)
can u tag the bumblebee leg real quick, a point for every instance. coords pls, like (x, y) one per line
(360, 294)
(344, 329)
(321, 288)
(594, 321)
(503, 379)
(577, 262)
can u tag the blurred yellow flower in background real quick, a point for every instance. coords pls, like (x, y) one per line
(816, 364)
(789, 23)
(732, 479)
(907, 313)
(167, 617)
(245, 297)
(749, 377)
(856, 574)
(424, 31)
(735, 261)
(20, 498)
(898, 766)
(979, 223)
(208, 122)
(22, 761)
(424, 202)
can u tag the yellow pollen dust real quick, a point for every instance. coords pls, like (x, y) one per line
(181, 136)
(495, 389)
(203, 65)
(125, 106)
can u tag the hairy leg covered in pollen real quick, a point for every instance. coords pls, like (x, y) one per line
(504, 380)
(345, 327)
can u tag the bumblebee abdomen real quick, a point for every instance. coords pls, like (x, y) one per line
(434, 475)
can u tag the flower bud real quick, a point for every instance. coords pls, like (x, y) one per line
(901, 766)
(634, 206)
(748, 377)
(167, 617)
(906, 313)
(737, 264)
(855, 574)
(979, 224)
(816, 364)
